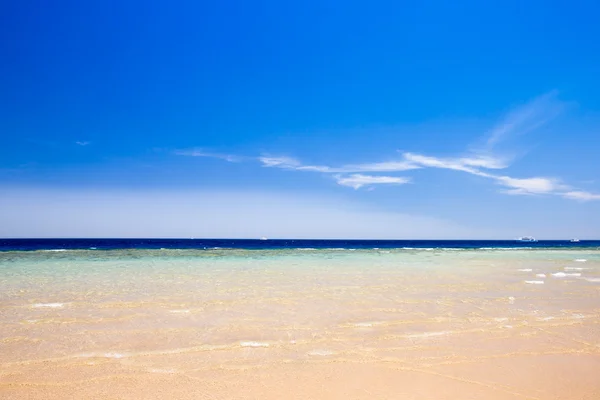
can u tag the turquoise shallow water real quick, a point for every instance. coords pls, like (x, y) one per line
(192, 311)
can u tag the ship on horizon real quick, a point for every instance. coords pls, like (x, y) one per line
(526, 239)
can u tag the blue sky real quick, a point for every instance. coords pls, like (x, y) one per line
(319, 119)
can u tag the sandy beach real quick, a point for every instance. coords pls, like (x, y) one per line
(300, 324)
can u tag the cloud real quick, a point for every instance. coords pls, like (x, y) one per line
(82, 143)
(481, 161)
(526, 118)
(201, 153)
(280, 162)
(284, 162)
(516, 186)
(357, 181)
(292, 163)
(580, 195)
(530, 185)
(387, 166)
(466, 164)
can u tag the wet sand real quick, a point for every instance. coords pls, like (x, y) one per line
(300, 325)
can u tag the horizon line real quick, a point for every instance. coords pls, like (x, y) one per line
(275, 239)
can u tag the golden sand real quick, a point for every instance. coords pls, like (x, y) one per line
(464, 325)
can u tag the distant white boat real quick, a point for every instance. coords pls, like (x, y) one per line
(574, 240)
(527, 239)
(263, 238)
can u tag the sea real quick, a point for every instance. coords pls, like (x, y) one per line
(299, 319)
(287, 244)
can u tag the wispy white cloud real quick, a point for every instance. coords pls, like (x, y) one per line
(481, 161)
(526, 118)
(536, 185)
(580, 195)
(386, 166)
(82, 143)
(293, 163)
(515, 186)
(466, 164)
(318, 168)
(202, 153)
(280, 162)
(357, 181)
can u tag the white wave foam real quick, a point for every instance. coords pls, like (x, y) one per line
(575, 268)
(385, 252)
(564, 274)
(179, 311)
(54, 250)
(540, 275)
(535, 282)
(427, 334)
(320, 353)
(594, 280)
(505, 248)
(580, 260)
(48, 305)
(254, 344)
(545, 318)
(525, 270)
(114, 355)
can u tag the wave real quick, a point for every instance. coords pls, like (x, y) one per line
(564, 274)
(237, 249)
(322, 353)
(48, 305)
(254, 344)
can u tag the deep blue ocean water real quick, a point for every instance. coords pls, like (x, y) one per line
(255, 244)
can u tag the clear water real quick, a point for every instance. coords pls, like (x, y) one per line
(140, 311)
